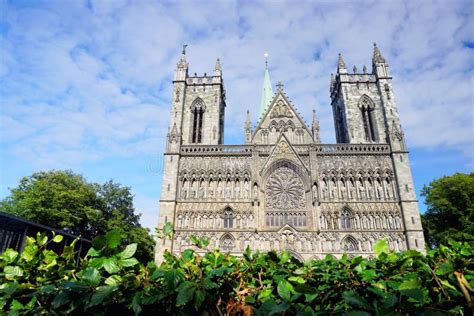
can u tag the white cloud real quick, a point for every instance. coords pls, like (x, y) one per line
(84, 83)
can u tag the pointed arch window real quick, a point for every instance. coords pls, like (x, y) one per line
(227, 242)
(349, 244)
(367, 107)
(197, 118)
(228, 218)
(346, 218)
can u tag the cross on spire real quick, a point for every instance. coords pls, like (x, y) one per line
(279, 86)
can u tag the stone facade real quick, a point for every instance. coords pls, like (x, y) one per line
(283, 189)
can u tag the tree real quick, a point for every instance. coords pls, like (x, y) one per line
(64, 200)
(450, 209)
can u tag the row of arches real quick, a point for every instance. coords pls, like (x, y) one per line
(272, 133)
(360, 186)
(225, 219)
(230, 187)
(295, 242)
(281, 218)
(348, 219)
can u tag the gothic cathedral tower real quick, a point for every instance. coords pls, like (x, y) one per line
(197, 118)
(365, 112)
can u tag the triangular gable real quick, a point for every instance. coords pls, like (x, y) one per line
(283, 150)
(287, 227)
(280, 107)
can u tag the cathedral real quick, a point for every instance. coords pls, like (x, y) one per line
(283, 189)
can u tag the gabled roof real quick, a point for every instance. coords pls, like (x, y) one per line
(280, 96)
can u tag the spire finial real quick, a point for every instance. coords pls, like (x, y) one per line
(340, 62)
(248, 128)
(184, 49)
(267, 93)
(377, 58)
(218, 67)
(315, 128)
(279, 86)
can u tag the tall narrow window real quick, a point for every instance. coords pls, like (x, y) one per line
(228, 218)
(340, 130)
(346, 219)
(367, 106)
(197, 117)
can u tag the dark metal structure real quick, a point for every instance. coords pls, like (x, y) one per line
(14, 230)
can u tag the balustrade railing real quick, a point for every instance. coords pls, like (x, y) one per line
(215, 150)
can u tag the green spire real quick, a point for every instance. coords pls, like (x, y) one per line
(267, 92)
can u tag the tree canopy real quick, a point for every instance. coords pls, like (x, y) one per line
(65, 200)
(450, 209)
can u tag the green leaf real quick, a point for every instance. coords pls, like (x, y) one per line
(409, 284)
(199, 297)
(296, 279)
(368, 275)
(129, 251)
(29, 253)
(265, 294)
(101, 294)
(9, 255)
(353, 299)
(12, 271)
(92, 252)
(31, 303)
(418, 295)
(285, 289)
(41, 239)
(114, 280)
(130, 262)
(9, 288)
(185, 293)
(99, 243)
(110, 265)
(270, 307)
(445, 268)
(58, 238)
(390, 301)
(168, 229)
(448, 285)
(15, 305)
(380, 247)
(303, 288)
(97, 262)
(284, 257)
(114, 238)
(60, 299)
(91, 276)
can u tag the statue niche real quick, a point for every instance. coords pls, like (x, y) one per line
(281, 110)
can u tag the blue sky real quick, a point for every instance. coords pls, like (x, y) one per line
(86, 85)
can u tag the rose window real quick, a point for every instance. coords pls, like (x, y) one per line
(284, 190)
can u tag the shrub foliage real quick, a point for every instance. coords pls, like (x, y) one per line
(110, 280)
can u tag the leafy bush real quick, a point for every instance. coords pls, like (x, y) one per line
(110, 280)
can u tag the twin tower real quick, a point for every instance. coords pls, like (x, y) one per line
(283, 189)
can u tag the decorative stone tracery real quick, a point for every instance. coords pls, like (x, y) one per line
(284, 190)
